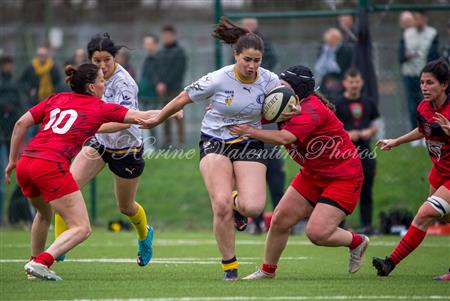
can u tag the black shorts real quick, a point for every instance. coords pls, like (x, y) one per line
(125, 163)
(250, 151)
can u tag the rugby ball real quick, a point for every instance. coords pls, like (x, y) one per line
(278, 101)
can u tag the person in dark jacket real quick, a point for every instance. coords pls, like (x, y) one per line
(41, 78)
(147, 83)
(10, 110)
(170, 71)
(270, 56)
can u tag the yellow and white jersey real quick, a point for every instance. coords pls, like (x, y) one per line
(121, 89)
(233, 100)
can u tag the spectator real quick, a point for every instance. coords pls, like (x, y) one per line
(270, 57)
(346, 26)
(147, 84)
(41, 78)
(334, 59)
(446, 51)
(170, 70)
(359, 114)
(78, 58)
(406, 20)
(10, 109)
(123, 58)
(418, 45)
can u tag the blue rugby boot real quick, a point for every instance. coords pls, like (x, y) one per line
(145, 249)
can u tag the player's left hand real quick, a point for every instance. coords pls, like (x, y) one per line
(240, 129)
(295, 110)
(8, 171)
(443, 122)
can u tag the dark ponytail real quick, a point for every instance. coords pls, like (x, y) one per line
(230, 33)
(102, 43)
(78, 78)
(325, 101)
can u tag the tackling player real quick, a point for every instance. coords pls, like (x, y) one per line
(328, 186)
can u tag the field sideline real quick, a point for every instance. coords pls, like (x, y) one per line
(185, 268)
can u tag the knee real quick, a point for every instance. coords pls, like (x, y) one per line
(222, 209)
(85, 231)
(316, 235)
(280, 222)
(253, 209)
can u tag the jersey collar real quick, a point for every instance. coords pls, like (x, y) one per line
(247, 82)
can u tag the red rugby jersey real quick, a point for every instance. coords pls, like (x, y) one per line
(323, 148)
(438, 143)
(68, 120)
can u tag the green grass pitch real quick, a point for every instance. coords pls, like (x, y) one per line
(186, 267)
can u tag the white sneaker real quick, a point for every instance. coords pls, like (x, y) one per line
(41, 271)
(357, 254)
(259, 274)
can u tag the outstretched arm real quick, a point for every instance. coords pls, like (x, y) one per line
(388, 144)
(269, 136)
(170, 109)
(19, 131)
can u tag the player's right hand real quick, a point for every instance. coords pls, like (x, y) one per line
(387, 144)
(8, 170)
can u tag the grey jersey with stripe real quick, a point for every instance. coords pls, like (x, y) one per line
(121, 89)
(233, 101)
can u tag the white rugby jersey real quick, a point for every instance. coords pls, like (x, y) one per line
(233, 100)
(121, 89)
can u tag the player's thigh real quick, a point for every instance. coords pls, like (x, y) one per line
(325, 218)
(125, 190)
(44, 209)
(250, 179)
(217, 173)
(292, 208)
(86, 165)
(72, 209)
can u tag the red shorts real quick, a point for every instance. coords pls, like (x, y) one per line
(50, 179)
(343, 194)
(437, 180)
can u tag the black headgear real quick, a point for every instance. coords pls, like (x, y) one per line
(301, 80)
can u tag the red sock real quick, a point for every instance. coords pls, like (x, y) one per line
(356, 241)
(409, 243)
(45, 259)
(269, 268)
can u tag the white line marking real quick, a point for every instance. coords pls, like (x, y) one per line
(237, 298)
(168, 260)
(200, 242)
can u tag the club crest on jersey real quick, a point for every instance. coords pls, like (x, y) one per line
(260, 99)
(356, 109)
(229, 99)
